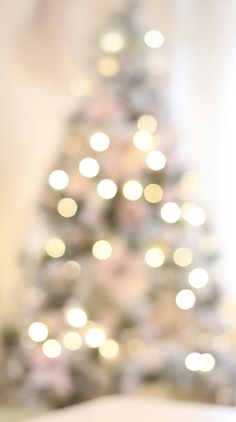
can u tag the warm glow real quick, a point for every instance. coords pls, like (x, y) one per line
(80, 87)
(55, 248)
(107, 189)
(142, 140)
(67, 207)
(52, 348)
(112, 42)
(76, 317)
(170, 212)
(155, 257)
(185, 299)
(95, 337)
(154, 39)
(89, 167)
(147, 123)
(108, 66)
(156, 160)
(153, 193)
(196, 216)
(110, 349)
(99, 141)
(38, 331)
(132, 190)
(58, 179)
(198, 278)
(189, 180)
(72, 341)
(183, 257)
(102, 250)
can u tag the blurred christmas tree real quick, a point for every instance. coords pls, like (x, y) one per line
(123, 301)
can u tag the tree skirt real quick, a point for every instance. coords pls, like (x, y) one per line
(138, 409)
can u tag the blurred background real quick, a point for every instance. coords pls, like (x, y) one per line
(46, 48)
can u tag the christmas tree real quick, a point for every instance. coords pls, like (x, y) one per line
(124, 299)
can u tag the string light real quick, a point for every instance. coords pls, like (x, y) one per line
(52, 348)
(153, 193)
(95, 337)
(170, 212)
(185, 299)
(156, 160)
(76, 317)
(154, 39)
(110, 349)
(112, 42)
(55, 248)
(183, 257)
(107, 189)
(58, 179)
(89, 167)
(67, 207)
(198, 278)
(108, 66)
(72, 341)
(155, 257)
(102, 250)
(142, 140)
(147, 123)
(132, 190)
(99, 141)
(38, 331)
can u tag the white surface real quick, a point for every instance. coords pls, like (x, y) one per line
(137, 409)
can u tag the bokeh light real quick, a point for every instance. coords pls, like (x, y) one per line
(102, 250)
(89, 167)
(155, 257)
(154, 39)
(107, 189)
(95, 337)
(198, 278)
(52, 348)
(156, 160)
(67, 207)
(185, 299)
(110, 349)
(112, 42)
(193, 361)
(72, 341)
(76, 317)
(108, 66)
(99, 141)
(153, 193)
(55, 248)
(38, 331)
(147, 123)
(142, 140)
(58, 179)
(183, 257)
(170, 212)
(132, 190)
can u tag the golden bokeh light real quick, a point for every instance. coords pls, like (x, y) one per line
(183, 257)
(55, 248)
(193, 361)
(72, 341)
(170, 212)
(142, 140)
(207, 362)
(58, 179)
(108, 66)
(153, 193)
(185, 299)
(110, 349)
(156, 160)
(76, 317)
(52, 348)
(107, 189)
(155, 257)
(99, 141)
(38, 331)
(95, 337)
(112, 42)
(102, 250)
(89, 167)
(67, 207)
(132, 190)
(147, 123)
